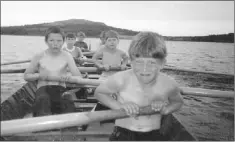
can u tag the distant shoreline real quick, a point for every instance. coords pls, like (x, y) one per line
(189, 38)
(93, 29)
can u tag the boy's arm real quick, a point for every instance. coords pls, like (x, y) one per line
(79, 52)
(72, 66)
(175, 101)
(30, 72)
(86, 46)
(96, 57)
(125, 58)
(78, 59)
(76, 44)
(104, 91)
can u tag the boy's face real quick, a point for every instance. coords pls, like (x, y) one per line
(111, 43)
(147, 69)
(81, 38)
(70, 41)
(55, 42)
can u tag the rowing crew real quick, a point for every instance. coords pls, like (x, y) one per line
(140, 86)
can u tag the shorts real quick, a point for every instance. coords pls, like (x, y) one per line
(80, 94)
(49, 100)
(123, 134)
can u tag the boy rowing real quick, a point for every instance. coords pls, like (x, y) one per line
(143, 85)
(80, 43)
(110, 55)
(73, 50)
(101, 44)
(53, 61)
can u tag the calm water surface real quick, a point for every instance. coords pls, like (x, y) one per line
(206, 118)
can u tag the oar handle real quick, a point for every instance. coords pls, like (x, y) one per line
(16, 62)
(35, 124)
(88, 53)
(26, 61)
(87, 60)
(81, 69)
(116, 114)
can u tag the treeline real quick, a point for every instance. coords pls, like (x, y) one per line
(93, 29)
(227, 38)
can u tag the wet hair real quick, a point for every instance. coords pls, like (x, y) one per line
(81, 34)
(56, 30)
(111, 34)
(149, 45)
(70, 35)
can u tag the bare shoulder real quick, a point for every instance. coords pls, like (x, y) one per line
(122, 77)
(63, 49)
(66, 54)
(123, 74)
(171, 83)
(38, 56)
(100, 51)
(121, 51)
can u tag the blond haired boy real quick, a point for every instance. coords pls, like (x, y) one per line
(143, 85)
(110, 54)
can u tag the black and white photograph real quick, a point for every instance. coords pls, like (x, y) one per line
(117, 71)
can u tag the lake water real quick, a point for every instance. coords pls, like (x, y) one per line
(207, 118)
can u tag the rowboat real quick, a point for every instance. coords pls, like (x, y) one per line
(19, 106)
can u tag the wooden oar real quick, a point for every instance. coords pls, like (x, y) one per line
(26, 61)
(16, 62)
(100, 133)
(88, 60)
(94, 82)
(88, 53)
(35, 124)
(184, 90)
(4, 71)
(206, 92)
(74, 79)
(187, 91)
(81, 69)
(193, 71)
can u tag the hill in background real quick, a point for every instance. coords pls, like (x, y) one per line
(90, 28)
(93, 29)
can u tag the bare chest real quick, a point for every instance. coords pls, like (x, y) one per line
(53, 64)
(143, 96)
(111, 58)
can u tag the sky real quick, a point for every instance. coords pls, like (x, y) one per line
(168, 18)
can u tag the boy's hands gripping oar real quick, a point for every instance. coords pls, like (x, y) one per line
(35, 124)
(112, 68)
(81, 69)
(70, 79)
(133, 109)
(26, 61)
